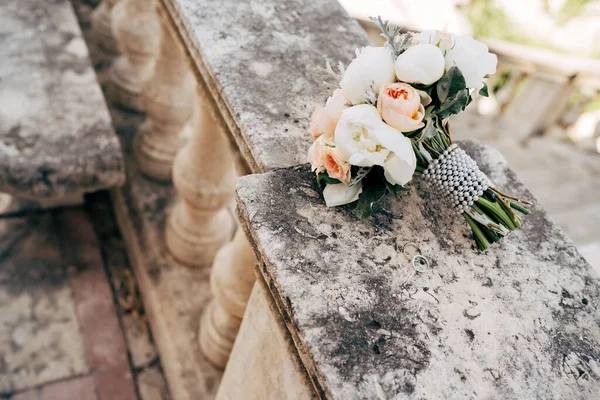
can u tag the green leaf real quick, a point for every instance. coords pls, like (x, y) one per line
(373, 191)
(449, 85)
(323, 178)
(430, 128)
(484, 90)
(455, 104)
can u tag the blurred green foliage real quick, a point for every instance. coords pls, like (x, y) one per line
(571, 9)
(488, 20)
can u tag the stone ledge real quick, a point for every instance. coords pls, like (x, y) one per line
(520, 321)
(56, 136)
(271, 50)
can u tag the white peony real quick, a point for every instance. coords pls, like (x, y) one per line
(422, 63)
(470, 56)
(473, 59)
(364, 140)
(372, 67)
(340, 194)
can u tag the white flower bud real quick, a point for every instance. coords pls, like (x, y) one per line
(423, 64)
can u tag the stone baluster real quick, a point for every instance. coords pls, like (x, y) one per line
(102, 27)
(204, 177)
(168, 99)
(231, 281)
(136, 28)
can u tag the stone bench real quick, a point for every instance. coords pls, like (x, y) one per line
(350, 318)
(56, 136)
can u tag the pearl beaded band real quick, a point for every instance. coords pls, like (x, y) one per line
(458, 176)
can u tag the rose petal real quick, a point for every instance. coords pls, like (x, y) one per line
(340, 194)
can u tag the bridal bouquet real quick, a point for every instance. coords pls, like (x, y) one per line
(388, 118)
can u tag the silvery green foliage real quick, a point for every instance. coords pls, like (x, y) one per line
(330, 73)
(371, 96)
(360, 174)
(396, 41)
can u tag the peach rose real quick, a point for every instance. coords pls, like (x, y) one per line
(400, 107)
(324, 119)
(325, 158)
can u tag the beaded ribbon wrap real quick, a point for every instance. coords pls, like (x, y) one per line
(457, 175)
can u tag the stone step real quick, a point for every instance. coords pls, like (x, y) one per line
(56, 136)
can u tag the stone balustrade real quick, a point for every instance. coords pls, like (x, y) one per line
(102, 27)
(136, 28)
(169, 100)
(263, 105)
(334, 304)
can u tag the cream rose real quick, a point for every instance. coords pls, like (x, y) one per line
(400, 107)
(422, 63)
(325, 158)
(373, 66)
(324, 119)
(362, 138)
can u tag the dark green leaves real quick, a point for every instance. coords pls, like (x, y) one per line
(323, 178)
(455, 104)
(452, 93)
(373, 191)
(375, 186)
(450, 84)
(484, 90)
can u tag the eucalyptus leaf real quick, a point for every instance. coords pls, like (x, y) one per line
(449, 85)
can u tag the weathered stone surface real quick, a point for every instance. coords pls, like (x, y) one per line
(152, 385)
(259, 61)
(39, 334)
(56, 137)
(73, 389)
(519, 321)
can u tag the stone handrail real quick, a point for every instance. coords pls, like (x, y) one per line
(585, 71)
(518, 321)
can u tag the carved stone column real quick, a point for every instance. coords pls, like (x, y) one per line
(204, 176)
(136, 28)
(168, 99)
(102, 27)
(231, 281)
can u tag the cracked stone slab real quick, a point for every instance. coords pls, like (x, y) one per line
(56, 135)
(519, 321)
(259, 62)
(40, 340)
